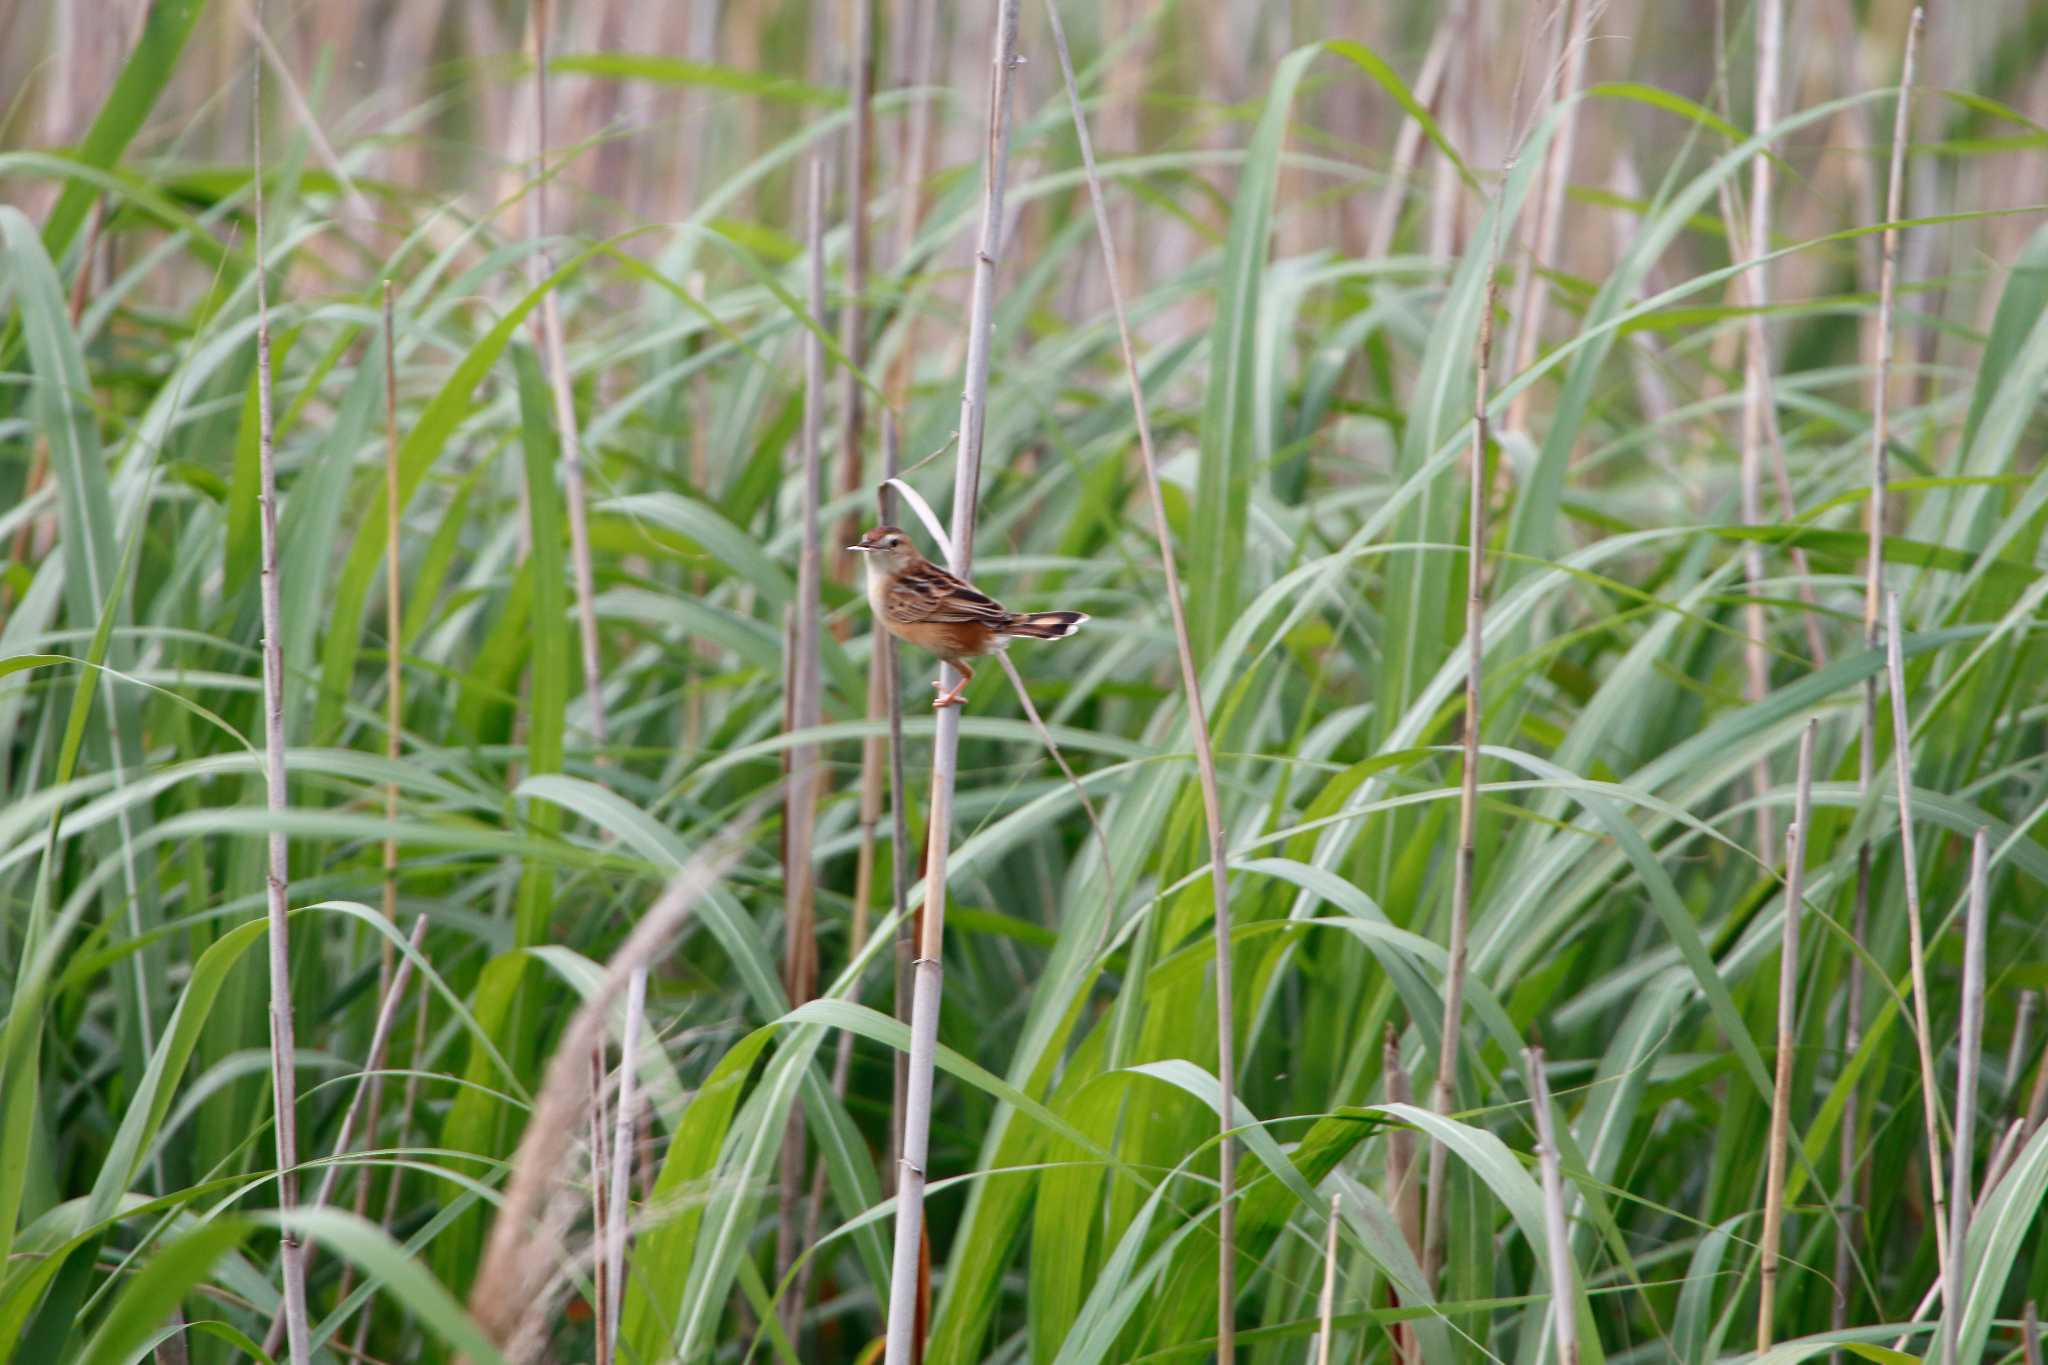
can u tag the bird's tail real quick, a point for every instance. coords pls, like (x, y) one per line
(1043, 625)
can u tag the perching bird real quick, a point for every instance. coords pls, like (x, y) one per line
(918, 601)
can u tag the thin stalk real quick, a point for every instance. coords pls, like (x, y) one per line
(916, 31)
(1532, 299)
(1970, 1057)
(373, 1067)
(1403, 1191)
(853, 339)
(1788, 1023)
(852, 409)
(1327, 1308)
(1198, 720)
(555, 363)
(800, 798)
(926, 984)
(358, 207)
(1902, 762)
(393, 699)
(1756, 398)
(1446, 1097)
(622, 1154)
(394, 616)
(397, 1180)
(1873, 591)
(899, 818)
(283, 1046)
(2030, 1334)
(600, 1219)
(1557, 1238)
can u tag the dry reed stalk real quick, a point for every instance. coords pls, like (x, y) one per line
(283, 1045)
(1873, 589)
(904, 1318)
(344, 1141)
(1408, 141)
(899, 817)
(600, 1289)
(1788, 1023)
(393, 697)
(1327, 1308)
(394, 615)
(1446, 1095)
(555, 364)
(1756, 395)
(853, 338)
(392, 1187)
(523, 1249)
(800, 797)
(1902, 762)
(621, 1157)
(916, 46)
(1198, 721)
(1564, 1320)
(1531, 299)
(1970, 1056)
(2030, 1334)
(1402, 1189)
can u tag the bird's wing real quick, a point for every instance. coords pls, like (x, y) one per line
(928, 593)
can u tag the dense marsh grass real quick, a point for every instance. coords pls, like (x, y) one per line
(1306, 300)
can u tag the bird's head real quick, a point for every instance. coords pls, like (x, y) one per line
(890, 549)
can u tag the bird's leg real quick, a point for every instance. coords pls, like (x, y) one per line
(952, 698)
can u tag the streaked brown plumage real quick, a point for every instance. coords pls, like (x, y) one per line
(918, 601)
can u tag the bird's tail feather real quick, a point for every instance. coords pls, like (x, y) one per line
(1043, 625)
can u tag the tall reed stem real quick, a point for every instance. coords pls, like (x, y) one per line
(853, 337)
(1756, 399)
(1326, 1308)
(1969, 1057)
(1564, 1320)
(1446, 1096)
(926, 988)
(555, 362)
(284, 1088)
(1873, 593)
(1198, 721)
(800, 797)
(622, 1155)
(1902, 763)
(364, 1100)
(1788, 1022)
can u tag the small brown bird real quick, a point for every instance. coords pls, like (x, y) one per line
(918, 601)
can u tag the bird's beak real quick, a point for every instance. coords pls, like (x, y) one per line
(862, 548)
